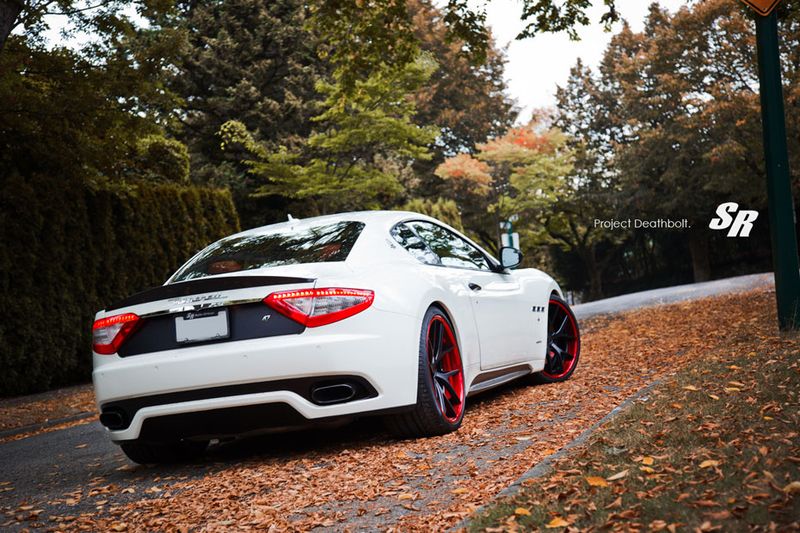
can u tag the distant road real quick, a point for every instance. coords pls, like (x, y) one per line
(667, 295)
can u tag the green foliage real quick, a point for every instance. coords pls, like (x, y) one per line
(562, 15)
(357, 37)
(247, 60)
(440, 209)
(61, 114)
(361, 33)
(161, 159)
(354, 158)
(69, 250)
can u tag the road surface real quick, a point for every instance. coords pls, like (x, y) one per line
(74, 471)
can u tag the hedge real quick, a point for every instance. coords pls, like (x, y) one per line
(69, 250)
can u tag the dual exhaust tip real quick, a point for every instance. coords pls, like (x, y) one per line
(333, 393)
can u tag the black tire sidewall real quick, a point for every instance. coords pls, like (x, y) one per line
(425, 394)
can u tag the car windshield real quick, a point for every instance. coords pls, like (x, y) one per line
(317, 244)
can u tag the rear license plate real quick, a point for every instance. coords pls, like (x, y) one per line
(201, 326)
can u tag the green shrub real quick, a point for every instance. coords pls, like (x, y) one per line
(69, 250)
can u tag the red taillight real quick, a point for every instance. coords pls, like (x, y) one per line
(109, 333)
(317, 307)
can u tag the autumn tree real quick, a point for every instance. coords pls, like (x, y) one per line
(445, 210)
(690, 99)
(467, 102)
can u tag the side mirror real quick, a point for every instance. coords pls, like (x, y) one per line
(510, 257)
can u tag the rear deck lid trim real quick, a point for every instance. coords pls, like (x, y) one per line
(204, 285)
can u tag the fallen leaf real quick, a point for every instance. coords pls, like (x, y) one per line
(708, 463)
(792, 488)
(690, 387)
(596, 481)
(618, 475)
(647, 461)
(556, 523)
(460, 490)
(615, 504)
(521, 511)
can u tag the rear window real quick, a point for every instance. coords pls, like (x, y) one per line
(319, 244)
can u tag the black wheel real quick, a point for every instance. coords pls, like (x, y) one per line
(144, 452)
(441, 392)
(563, 343)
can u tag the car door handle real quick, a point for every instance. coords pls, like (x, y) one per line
(474, 286)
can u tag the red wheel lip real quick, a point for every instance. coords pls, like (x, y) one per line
(572, 347)
(453, 358)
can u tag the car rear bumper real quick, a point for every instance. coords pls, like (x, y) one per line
(163, 390)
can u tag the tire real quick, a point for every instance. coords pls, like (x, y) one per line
(563, 343)
(145, 452)
(441, 391)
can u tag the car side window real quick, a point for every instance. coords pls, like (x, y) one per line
(415, 246)
(453, 251)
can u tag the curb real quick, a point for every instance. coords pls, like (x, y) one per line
(543, 467)
(43, 425)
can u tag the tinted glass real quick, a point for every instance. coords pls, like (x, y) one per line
(416, 246)
(320, 244)
(453, 251)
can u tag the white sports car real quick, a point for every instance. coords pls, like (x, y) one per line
(374, 313)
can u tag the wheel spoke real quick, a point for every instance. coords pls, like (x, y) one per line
(438, 359)
(561, 327)
(439, 396)
(449, 409)
(449, 387)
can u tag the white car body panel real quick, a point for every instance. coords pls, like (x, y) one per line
(496, 327)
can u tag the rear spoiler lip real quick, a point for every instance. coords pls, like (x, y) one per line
(204, 285)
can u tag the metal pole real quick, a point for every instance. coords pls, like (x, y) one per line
(779, 191)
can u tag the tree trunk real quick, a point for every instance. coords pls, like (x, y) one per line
(594, 273)
(701, 262)
(9, 10)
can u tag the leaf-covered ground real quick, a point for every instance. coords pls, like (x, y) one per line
(714, 448)
(30, 415)
(357, 477)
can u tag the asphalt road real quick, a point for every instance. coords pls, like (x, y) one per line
(679, 293)
(51, 470)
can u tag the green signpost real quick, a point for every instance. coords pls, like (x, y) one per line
(779, 191)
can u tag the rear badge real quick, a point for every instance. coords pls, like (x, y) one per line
(265, 318)
(538, 309)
